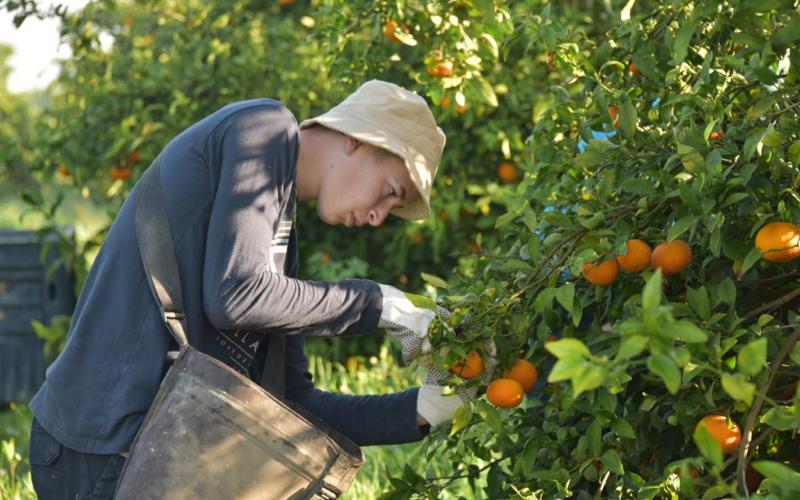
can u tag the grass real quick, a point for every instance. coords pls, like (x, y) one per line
(377, 374)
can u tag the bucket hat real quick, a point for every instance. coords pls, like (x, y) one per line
(390, 117)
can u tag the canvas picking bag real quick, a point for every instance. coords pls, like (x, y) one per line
(212, 433)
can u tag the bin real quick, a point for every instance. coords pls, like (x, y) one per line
(27, 294)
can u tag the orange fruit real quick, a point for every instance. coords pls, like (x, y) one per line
(601, 274)
(507, 172)
(505, 393)
(133, 157)
(672, 257)
(461, 109)
(287, 2)
(637, 257)
(445, 102)
(680, 472)
(121, 173)
(727, 436)
(715, 136)
(634, 69)
(470, 367)
(388, 30)
(417, 238)
(63, 170)
(525, 373)
(613, 112)
(779, 241)
(445, 69)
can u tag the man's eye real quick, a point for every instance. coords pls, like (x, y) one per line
(392, 192)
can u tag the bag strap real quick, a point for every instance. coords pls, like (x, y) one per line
(157, 251)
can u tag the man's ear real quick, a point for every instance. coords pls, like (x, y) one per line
(351, 144)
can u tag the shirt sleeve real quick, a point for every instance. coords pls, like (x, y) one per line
(256, 149)
(365, 420)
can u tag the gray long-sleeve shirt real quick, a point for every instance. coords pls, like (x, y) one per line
(229, 188)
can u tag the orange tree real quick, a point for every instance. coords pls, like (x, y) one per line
(658, 121)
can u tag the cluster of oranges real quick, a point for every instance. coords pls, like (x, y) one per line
(505, 392)
(671, 257)
(440, 68)
(124, 171)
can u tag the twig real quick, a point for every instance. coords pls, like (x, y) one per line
(750, 422)
(772, 305)
(771, 278)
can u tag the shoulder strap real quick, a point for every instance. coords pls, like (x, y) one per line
(157, 251)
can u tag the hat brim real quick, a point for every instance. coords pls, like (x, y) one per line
(366, 132)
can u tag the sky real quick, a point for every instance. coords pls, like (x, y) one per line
(36, 48)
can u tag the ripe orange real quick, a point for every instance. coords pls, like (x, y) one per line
(63, 170)
(634, 69)
(779, 241)
(445, 102)
(469, 368)
(715, 136)
(727, 437)
(613, 112)
(525, 373)
(121, 173)
(637, 257)
(417, 238)
(445, 69)
(461, 109)
(507, 172)
(672, 257)
(601, 274)
(505, 393)
(388, 30)
(287, 2)
(133, 157)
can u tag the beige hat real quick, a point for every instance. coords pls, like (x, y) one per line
(390, 117)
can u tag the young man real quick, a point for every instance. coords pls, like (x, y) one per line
(231, 183)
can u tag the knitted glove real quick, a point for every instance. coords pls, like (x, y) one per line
(407, 323)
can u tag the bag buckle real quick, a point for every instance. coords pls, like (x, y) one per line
(168, 315)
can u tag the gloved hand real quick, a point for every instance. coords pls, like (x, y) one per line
(407, 323)
(437, 408)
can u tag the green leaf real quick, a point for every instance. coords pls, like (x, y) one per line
(665, 367)
(794, 154)
(628, 119)
(461, 419)
(565, 296)
(681, 45)
(405, 38)
(434, 280)
(487, 93)
(733, 198)
(490, 415)
(568, 348)
(783, 476)
(422, 301)
(782, 418)
(708, 446)
(516, 265)
(681, 226)
(564, 369)
(505, 219)
(611, 460)
(698, 300)
(738, 387)
(631, 346)
(752, 357)
(651, 296)
(594, 435)
(588, 376)
(683, 330)
(753, 256)
(623, 428)
(530, 221)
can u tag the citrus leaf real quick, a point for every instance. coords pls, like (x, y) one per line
(434, 280)
(623, 428)
(665, 367)
(588, 376)
(565, 296)
(568, 348)
(782, 475)
(651, 296)
(611, 460)
(683, 330)
(628, 119)
(708, 446)
(738, 387)
(631, 346)
(681, 45)
(681, 226)
(752, 357)
(782, 418)
(422, 301)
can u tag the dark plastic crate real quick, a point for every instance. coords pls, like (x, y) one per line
(27, 294)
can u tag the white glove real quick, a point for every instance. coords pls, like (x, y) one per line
(437, 408)
(406, 323)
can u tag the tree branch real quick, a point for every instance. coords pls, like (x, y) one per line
(772, 305)
(752, 416)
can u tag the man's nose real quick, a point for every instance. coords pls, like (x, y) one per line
(378, 214)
